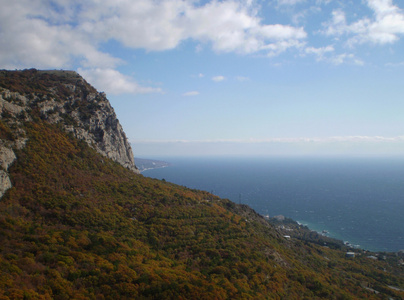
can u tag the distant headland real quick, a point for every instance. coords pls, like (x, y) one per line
(149, 164)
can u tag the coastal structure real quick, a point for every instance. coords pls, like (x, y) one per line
(350, 254)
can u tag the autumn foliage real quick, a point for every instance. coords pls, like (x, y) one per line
(76, 225)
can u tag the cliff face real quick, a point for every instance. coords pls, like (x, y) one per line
(60, 97)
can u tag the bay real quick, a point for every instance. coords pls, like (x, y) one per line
(357, 200)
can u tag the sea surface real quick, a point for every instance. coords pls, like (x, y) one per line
(357, 200)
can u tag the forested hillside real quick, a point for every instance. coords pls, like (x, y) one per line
(77, 225)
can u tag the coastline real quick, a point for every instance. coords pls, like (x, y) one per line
(330, 234)
(356, 202)
(148, 169)
(144, 164)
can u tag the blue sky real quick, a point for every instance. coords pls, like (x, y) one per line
(188, 77)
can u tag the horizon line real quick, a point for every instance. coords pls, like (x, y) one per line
(353, 138)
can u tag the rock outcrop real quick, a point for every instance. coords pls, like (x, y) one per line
(59, 97)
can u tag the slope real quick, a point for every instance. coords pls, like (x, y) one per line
(78, 225)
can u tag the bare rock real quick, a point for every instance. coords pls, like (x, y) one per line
(5, 182)
(7, 157)
(60, 97)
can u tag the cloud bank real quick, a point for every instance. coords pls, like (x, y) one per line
(70, 34)
(73, 34)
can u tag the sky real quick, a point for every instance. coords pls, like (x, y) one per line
(230, 77)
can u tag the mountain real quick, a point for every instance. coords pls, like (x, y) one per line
(66, 99)
(78, 223)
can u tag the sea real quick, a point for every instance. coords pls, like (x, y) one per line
(357, 200)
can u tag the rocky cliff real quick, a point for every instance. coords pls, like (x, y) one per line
(60, 97)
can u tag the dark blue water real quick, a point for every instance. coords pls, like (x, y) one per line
(358, 200)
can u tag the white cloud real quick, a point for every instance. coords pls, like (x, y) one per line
(191, 93)
(280, 32)
(33, 36)
(69, 34)
(152, 25)
(113, 82)
(328, 54)
(282, 46)
(29, 42)
(218, 78)
(75, 29)
(319, 52)
(385, 28)
(337, 26)
(232, 26)
(345, 58)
